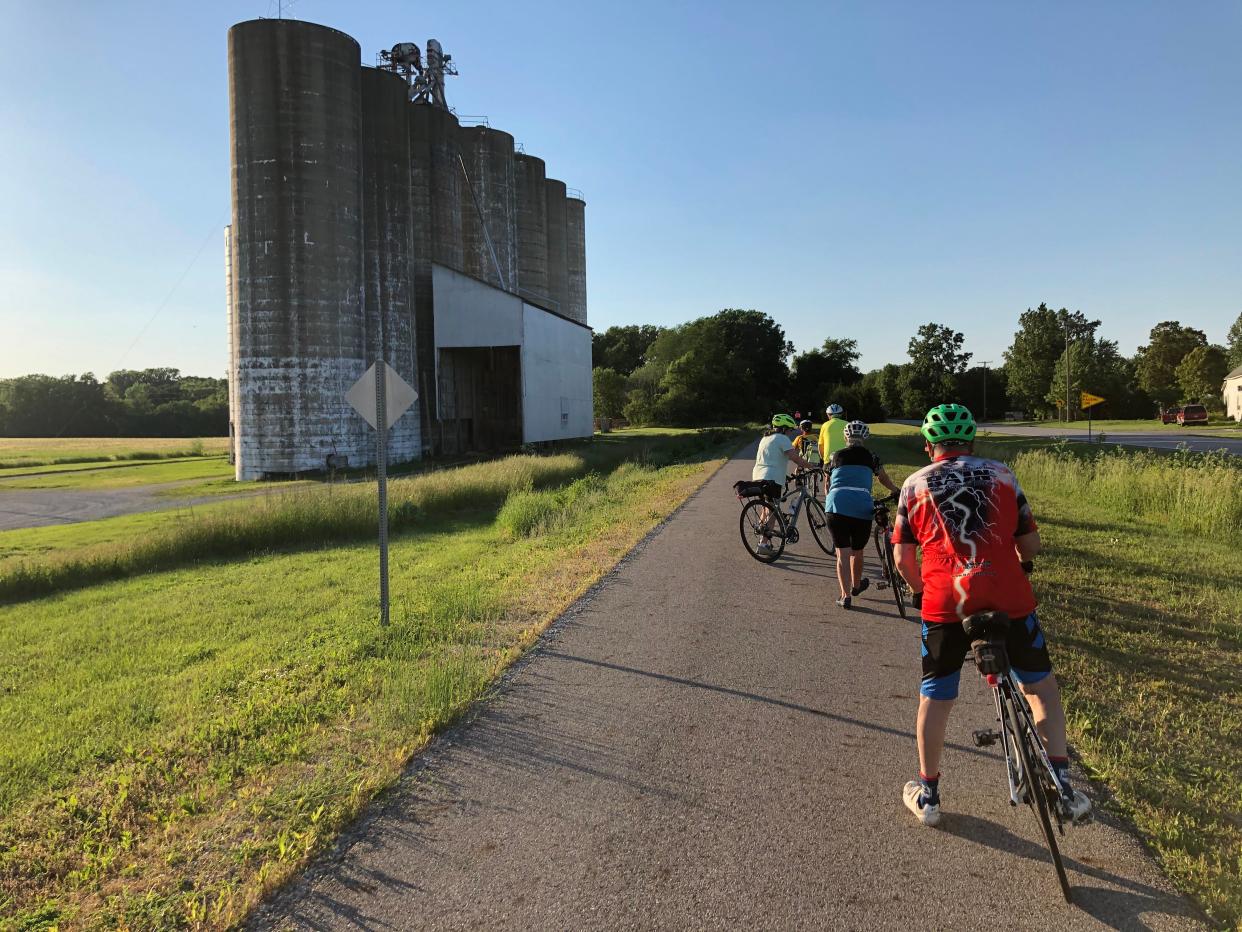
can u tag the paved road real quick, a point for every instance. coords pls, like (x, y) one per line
(25, 508)
(700, 743)
(1168, 439)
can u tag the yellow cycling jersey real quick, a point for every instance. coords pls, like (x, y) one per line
(832, 437)
(807, 447)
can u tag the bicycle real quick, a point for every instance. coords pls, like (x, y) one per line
(883, 537)
(764, 518)
(1026, 761)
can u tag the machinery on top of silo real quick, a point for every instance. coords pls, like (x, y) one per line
(366, 217)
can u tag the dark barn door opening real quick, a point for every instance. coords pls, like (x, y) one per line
(480, 399)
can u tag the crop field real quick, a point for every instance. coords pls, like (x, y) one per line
(50, 451)
(1138, 585)
(177, 741)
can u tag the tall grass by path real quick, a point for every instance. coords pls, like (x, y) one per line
(332, 515)
(175, 744)
(1139, 590)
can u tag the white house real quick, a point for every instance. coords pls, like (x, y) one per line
(1231, 394)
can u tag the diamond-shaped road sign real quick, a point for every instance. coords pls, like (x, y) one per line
(398, 395)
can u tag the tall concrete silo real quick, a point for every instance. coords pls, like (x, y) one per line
(436, 215)
(489, 206)
(558, 256)
(575, 259)
(388, 241)
(532, 227)
(233, 334)
(294, 101)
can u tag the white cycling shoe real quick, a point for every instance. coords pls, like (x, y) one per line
(927, 813)
(1077, 807)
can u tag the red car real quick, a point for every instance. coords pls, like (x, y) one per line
(1169, 415)
(1192, 414)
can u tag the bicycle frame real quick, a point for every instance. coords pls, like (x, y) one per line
(1012, 760)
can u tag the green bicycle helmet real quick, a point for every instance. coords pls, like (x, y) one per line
(949, 423)
(784, 421)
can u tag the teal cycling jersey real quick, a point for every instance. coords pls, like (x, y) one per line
(851, 472)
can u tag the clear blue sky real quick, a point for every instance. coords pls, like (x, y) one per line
(852, 169)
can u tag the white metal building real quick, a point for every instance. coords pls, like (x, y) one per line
(507, 371)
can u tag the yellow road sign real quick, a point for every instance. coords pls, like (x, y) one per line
(1090, 401)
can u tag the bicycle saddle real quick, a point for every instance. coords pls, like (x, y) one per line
(987, 631)
(985, 625)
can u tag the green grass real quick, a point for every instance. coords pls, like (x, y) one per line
(317, 517)
(47, 451)
(175, 744)
(1148, 425)
(1138, 585)
(118, 476)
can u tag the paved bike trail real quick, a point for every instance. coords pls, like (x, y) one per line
(707, 742)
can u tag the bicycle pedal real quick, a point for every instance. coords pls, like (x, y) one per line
(985, 738)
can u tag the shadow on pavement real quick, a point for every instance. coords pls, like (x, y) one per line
(755, 697)
(1117, 909)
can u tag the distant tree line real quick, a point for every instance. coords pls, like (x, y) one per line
(129, 403)
(736, 365)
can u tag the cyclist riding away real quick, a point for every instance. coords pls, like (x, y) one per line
(772, 461)
(806, 444)
(850, 507)
(832, 432)
(977, 534)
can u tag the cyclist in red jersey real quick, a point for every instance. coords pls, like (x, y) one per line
(975, 528)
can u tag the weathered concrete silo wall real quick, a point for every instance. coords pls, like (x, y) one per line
(532, 227)
(297, 223)
(436, 215)
(387, 242)
(489, 206)
(575, 259)
(233, 336)
(558, 259)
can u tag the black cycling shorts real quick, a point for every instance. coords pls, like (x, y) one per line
(849, 532)
(946, 645)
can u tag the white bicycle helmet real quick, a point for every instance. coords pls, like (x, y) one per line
(835, 410)
(857, 431)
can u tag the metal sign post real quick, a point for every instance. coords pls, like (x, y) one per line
(381, 468)
(381, 397)
(1089, 401)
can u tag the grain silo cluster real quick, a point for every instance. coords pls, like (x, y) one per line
(368, 223)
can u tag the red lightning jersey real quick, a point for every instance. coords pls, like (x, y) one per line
(964, 512)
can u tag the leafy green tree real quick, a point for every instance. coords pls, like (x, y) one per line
(623, 349)
(609, 387)
(1157, 362)
(1095, 367)
(815, 374)
(1235, 343)
(1200, 374)
(936, 361)
(730, 366)
(891, 384)
(983, 389)
(1031, 358)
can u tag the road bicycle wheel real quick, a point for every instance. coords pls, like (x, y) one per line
(818, 522)
(1036, 794)
(753, 525)
(878, 535)
(895, 582)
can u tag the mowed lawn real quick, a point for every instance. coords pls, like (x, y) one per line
(1139, 585)
(43, 451)
(175, 744)
(1148, 425)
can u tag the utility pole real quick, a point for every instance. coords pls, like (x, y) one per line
(1067, 370)
(985, 363)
